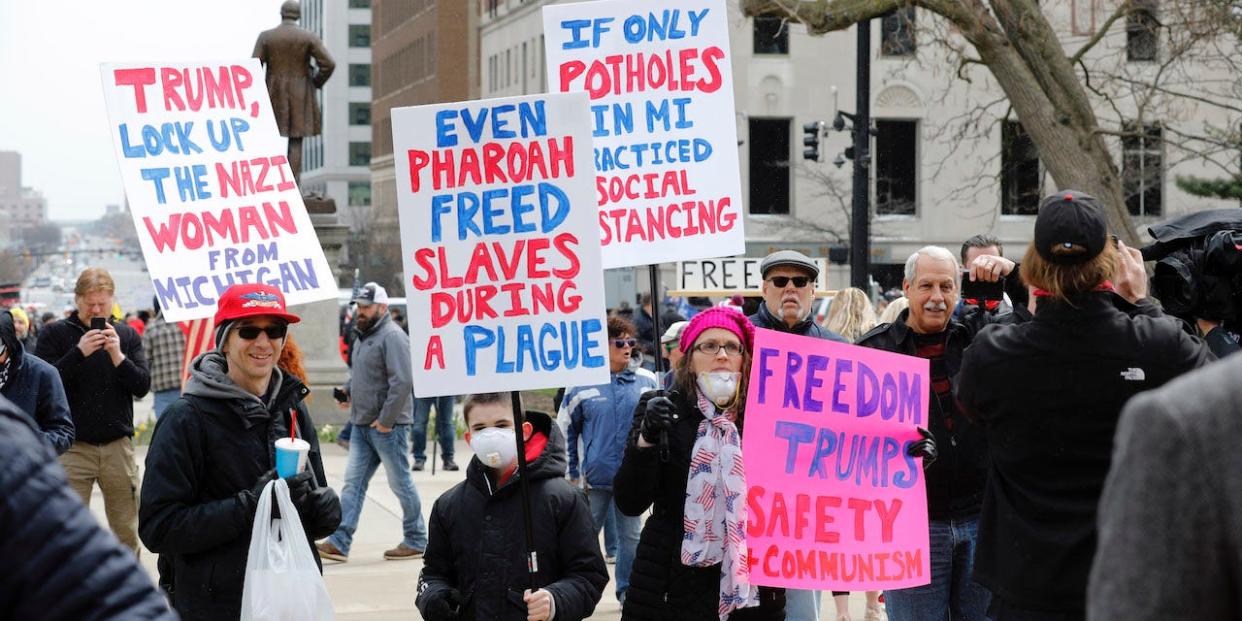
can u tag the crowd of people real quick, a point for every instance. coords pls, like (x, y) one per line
(1068, 476)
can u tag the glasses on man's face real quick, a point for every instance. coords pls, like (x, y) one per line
(251, 333)
(623, 343)
(713, 348)
(781, 281)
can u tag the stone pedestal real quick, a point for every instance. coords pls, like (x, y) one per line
(318, 333)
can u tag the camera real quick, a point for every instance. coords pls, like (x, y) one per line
(1198, 272)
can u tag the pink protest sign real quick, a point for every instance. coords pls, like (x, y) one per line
(834, 502)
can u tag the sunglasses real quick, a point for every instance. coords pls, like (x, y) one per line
(251, 333)
(623, 343)
(781, 281)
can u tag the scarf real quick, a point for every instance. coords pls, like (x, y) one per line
(4, 371)
(715, 511)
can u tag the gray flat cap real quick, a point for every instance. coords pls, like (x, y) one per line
(792, 258)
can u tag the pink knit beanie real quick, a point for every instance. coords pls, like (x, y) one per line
(719, 317)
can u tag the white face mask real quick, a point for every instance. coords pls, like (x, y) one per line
(495, 447)
(720, 387)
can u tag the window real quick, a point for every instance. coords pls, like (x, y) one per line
(359, 153)
(1020, 175)
(769, 165)
(896, 167)
(360, 35)
(1142, 31)
(1142, 169)
(897, 33)
(359, 113)
(771, 36)
(359, 4)
(359, 194)
(508, 68)
(360, 75)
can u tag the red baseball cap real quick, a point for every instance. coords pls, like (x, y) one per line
(252, 300)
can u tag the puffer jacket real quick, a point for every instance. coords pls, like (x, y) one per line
(208, 450)
(661, 587)
(601, 416)
(477, 543)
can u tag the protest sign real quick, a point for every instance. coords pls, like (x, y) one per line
(663, 121)
(209, 184)
(736, 274)
(501, 250)
(833, 500)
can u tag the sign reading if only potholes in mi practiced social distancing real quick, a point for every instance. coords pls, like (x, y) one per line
(663, 123)
(209, 184)
(501, 250)
(834, 502)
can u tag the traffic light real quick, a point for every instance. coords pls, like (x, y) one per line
(810, 140)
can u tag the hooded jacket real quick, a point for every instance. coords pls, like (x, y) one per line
(209, 449)
(101, 395)
(601, 416)
(381, 383)
(477, 543)
(60, 565)
(34, 387)
(807, 327)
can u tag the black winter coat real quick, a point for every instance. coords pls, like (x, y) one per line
(59, 563)
(208, 450)
(101, 396)
(764, 318)
(477, 543)
(1049, 393)
(661, 587)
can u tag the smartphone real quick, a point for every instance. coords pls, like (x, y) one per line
(982, 290)
(339, 395)
(99, 323)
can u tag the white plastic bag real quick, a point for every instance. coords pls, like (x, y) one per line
(282, 580)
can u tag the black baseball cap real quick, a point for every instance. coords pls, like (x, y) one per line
(1067, 219)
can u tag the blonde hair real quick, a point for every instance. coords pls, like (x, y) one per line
(93, 279)
(1063, 281)
(894, 309)
(850, 314)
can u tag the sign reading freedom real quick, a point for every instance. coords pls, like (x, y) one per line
(833, 500)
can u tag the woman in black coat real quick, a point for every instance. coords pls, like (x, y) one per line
(673, 574)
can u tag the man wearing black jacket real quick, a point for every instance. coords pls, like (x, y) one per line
(103, 370)
(955, 482)
(1049, 393)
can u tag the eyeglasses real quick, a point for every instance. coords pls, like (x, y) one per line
(251, 333)
(781, 281)
(623, 343)
(713, 348)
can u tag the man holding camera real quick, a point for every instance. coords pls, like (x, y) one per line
(103, 369)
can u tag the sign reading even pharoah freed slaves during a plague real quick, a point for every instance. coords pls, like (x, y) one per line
(209, 185)
(500, 244)
(834, 500)
(664, 126)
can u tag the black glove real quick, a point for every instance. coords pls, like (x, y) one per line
(320, 512)
(250, 498)
(444, 605)
(658, 417)
(300, 486)
(925, 448)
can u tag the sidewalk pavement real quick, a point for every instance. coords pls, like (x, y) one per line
(369, 588)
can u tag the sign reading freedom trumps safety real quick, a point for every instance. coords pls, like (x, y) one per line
(209, 185)
(833, 500)
(664, 126)
(500, 245)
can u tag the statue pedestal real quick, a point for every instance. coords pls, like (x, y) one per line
(318, 333)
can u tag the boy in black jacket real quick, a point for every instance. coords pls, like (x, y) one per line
(475, 564)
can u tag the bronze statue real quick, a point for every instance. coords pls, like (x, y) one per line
(286, 51)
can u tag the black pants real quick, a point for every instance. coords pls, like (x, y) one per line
(1000, 610)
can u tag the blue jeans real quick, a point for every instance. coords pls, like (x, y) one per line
(627, 534)
(952, 594)
(165, 398)
(802, 605)
(610, 534)
(445, 428)
(368, 448)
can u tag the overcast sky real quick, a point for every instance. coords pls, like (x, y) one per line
(52, 107)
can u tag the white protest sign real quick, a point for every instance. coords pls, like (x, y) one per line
(209, 184)
(664, 126)
(500, 243)
(731, 275)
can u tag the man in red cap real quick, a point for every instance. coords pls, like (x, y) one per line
(213, 452)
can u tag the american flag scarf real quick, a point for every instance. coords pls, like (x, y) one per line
(714, 525)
